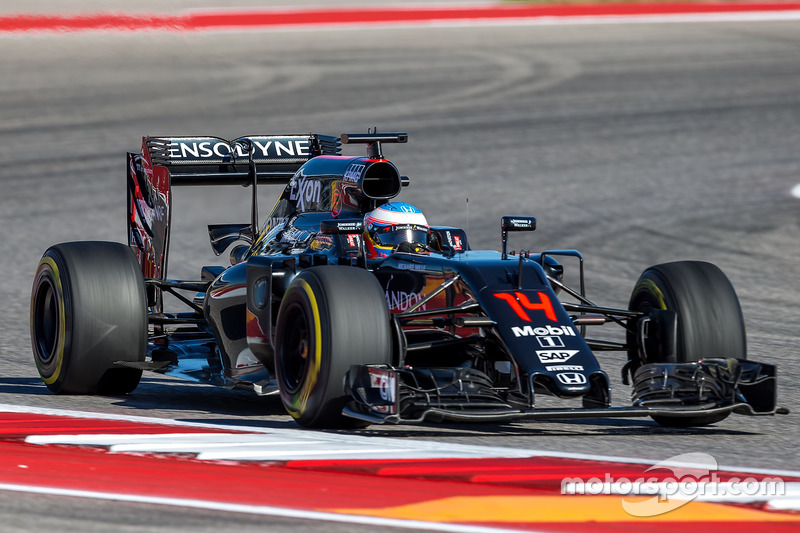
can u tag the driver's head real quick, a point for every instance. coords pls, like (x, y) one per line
(391, 225)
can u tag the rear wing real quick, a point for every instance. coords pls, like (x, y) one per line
(168, 161)
(215, 161)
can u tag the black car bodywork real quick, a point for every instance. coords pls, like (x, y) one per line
(450, 333)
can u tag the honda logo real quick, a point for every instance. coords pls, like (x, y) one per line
(571, 378)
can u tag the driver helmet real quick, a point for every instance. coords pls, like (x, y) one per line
(391, 225)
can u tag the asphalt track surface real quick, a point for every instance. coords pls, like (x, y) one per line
(636, 144)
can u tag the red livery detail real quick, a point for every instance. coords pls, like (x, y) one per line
(519, 300)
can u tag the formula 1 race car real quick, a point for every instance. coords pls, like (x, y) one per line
(355, 311)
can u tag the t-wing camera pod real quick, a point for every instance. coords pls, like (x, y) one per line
(374, 140)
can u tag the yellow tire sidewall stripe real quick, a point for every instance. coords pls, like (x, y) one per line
(58, 356)
(300, 399)
(651, 287)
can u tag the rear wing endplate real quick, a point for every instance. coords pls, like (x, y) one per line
(168, 161)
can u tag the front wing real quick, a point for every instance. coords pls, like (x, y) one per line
(704, 388)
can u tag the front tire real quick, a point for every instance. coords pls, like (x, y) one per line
(709, 320)
(330, 318)
(88, 310)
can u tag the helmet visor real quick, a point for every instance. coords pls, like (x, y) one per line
(394, 235)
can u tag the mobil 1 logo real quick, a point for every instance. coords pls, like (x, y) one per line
(543, 331)
(546, 336)
(551, 338)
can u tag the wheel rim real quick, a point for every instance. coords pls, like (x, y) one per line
(295, 349)
(46, 321)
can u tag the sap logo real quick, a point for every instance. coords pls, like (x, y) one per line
(571, 378)
(401, 301)
(555, 356)
(530, 331)
(518, 300)
(353, 172)
(305, 192)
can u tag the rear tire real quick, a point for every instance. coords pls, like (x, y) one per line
(709, 319)
(331, 317)
(88, 310)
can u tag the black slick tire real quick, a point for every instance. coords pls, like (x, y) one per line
(88, 311)
(709, 318)
(330, 318)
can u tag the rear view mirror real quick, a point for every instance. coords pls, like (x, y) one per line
(239, 253)
(511, 223)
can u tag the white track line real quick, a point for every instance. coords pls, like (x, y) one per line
(407, 444)
(251, 443)
(265, 447)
